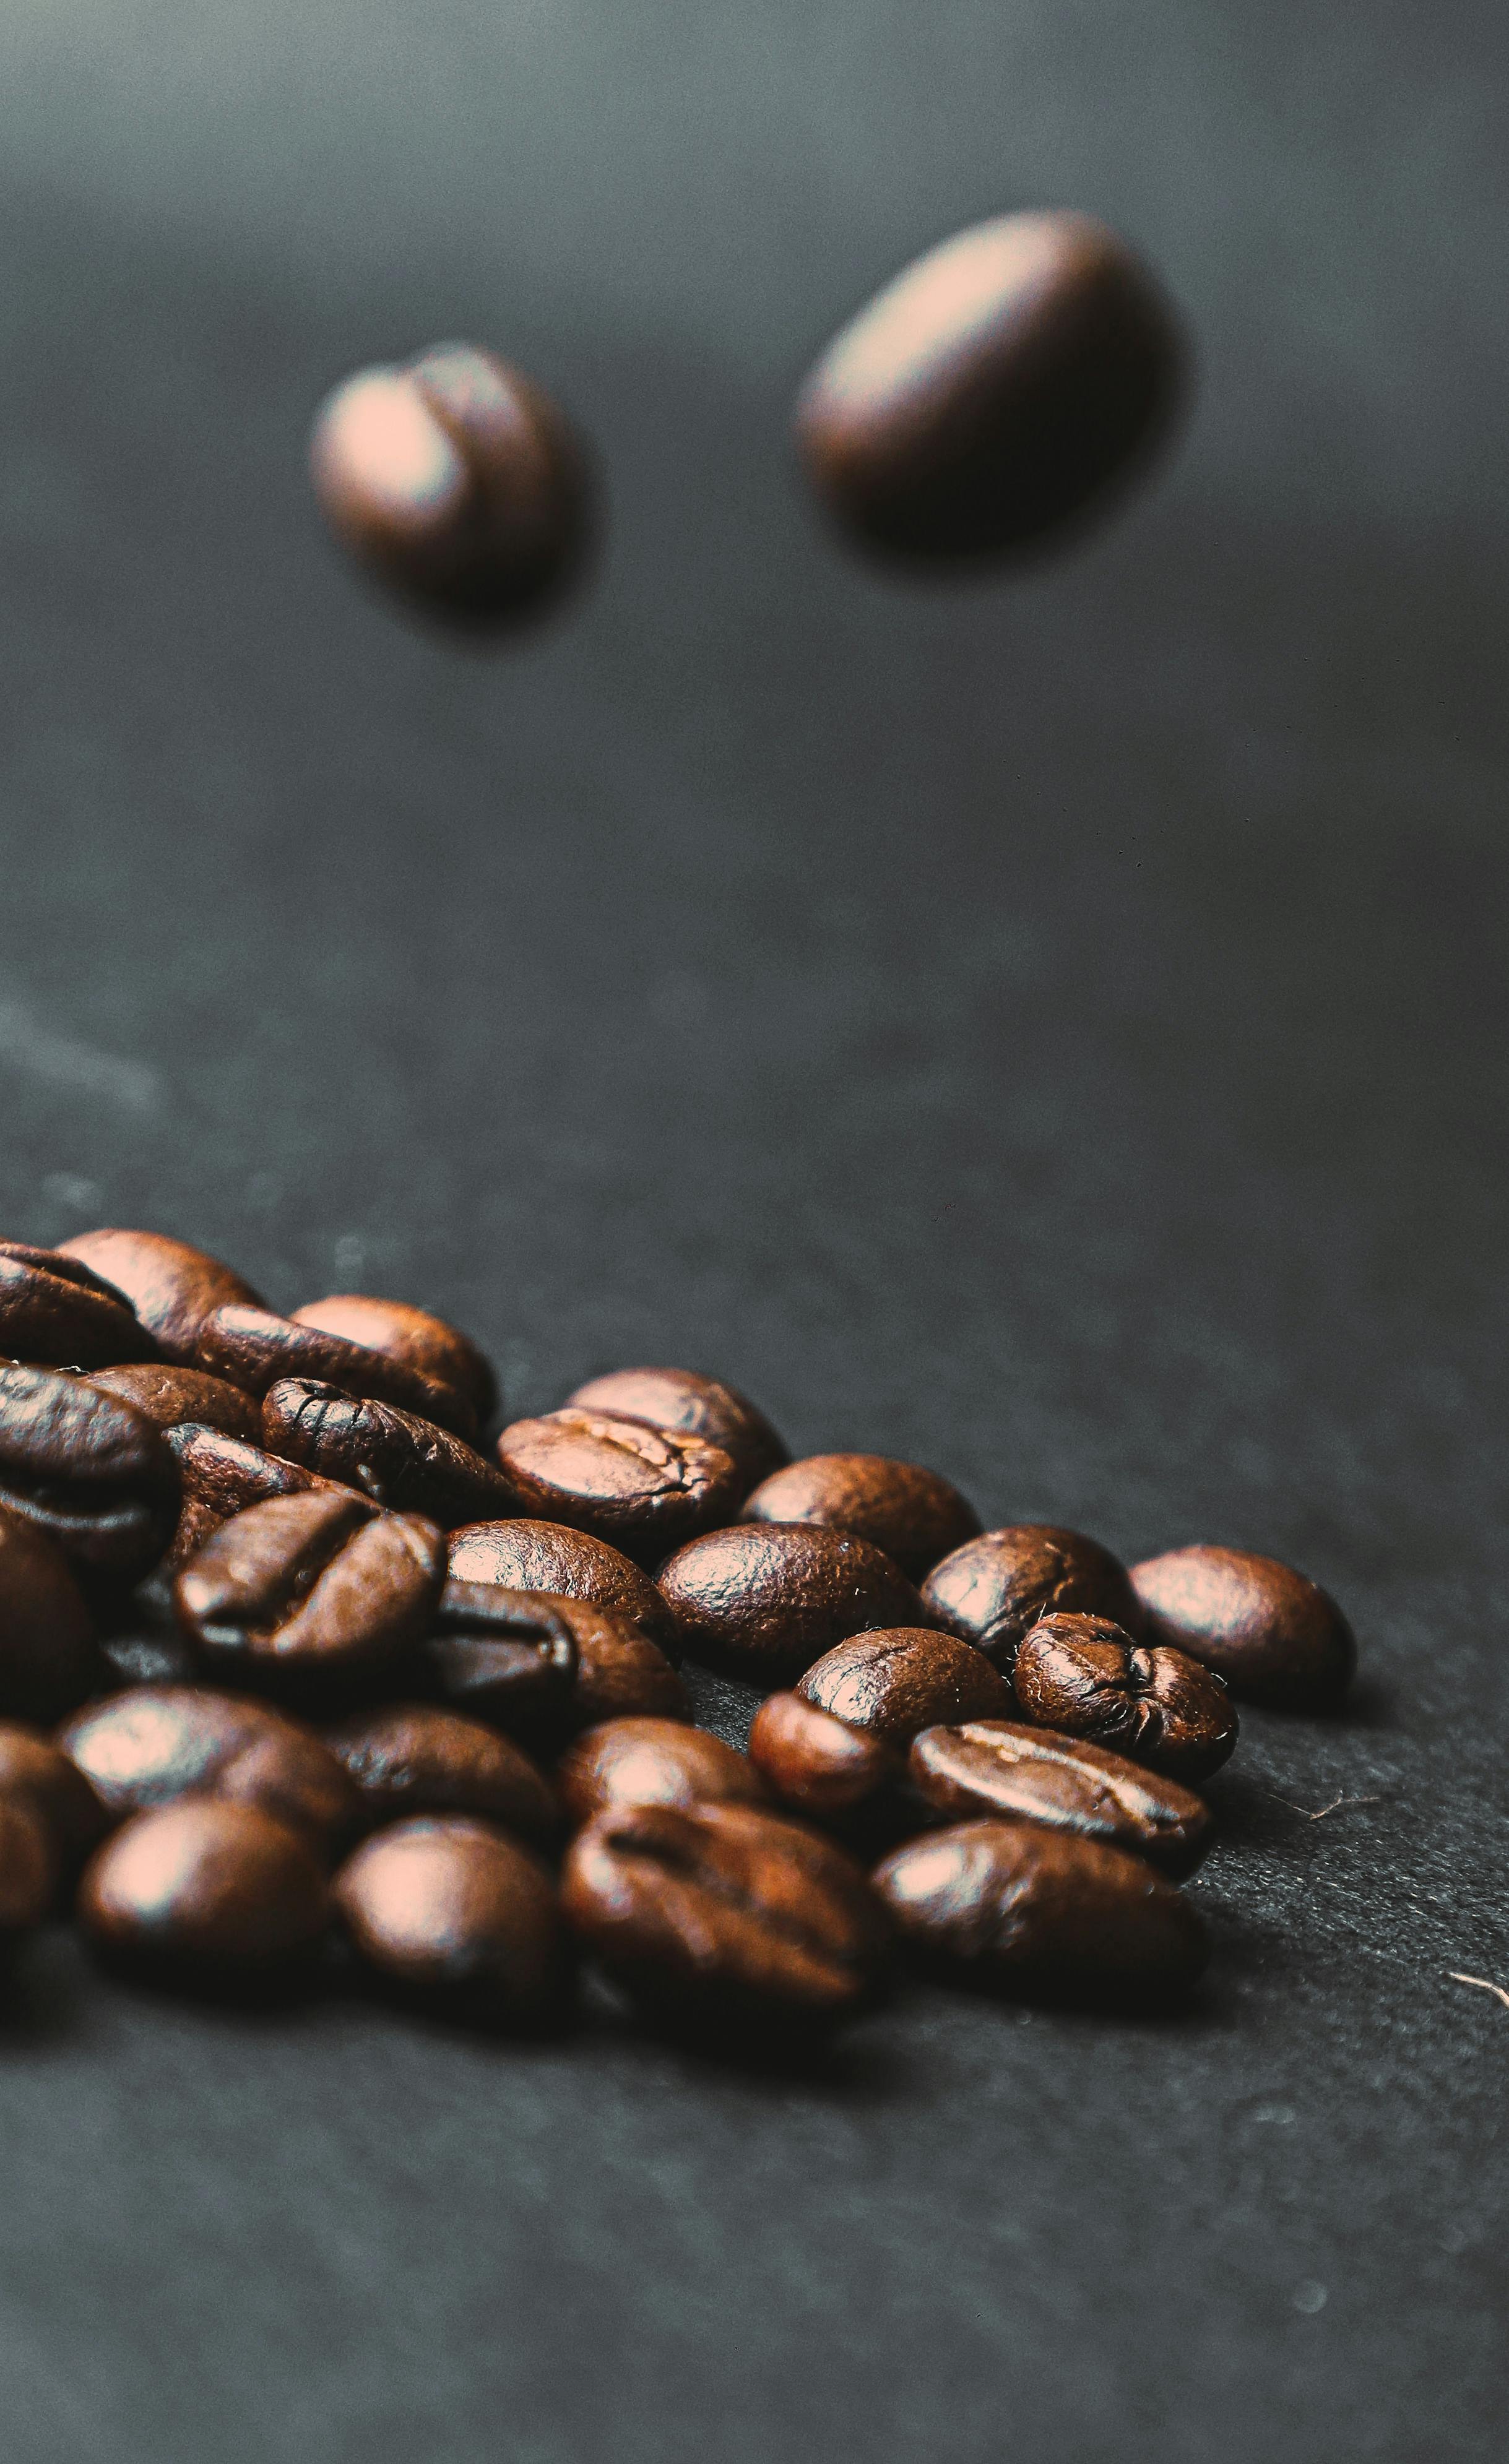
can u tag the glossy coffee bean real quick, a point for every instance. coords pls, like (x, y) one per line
(171, 1286)
(995, 389)
(643, 1490)
(207, 1891)
(816, 1763)
(253, 1348)
(915, 1516)
(526, 1556)
(307, 1589)
(620, 1673)
(1087, 1678)
(1006, 1904)
(995, 1767)
(993, 1590)
(456, 482)
(29, 1868)
(90, 1471)
(177, 1398)
(55, 1310)
(414, 1758)
(692, 1406)
(36, 1772)
(220, 1476)
(652, 1762)
(393, 1456)
(728, 1915)
(47, 1636)
(895, 1681)
(160, 1743)
(766, 1599)
(1275, 1636)
(414, 1336)
(502, 1656)
(455, 1915)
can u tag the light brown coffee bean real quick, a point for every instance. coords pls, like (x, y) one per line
(410, 1758)
(897, 1680)
(453, 1914)
(652, 1762)
(643, 1490)
(307, 1589)
(766, 1599)
(393, 1456)
(1275, 1636)
(1086, 1677)
(414, 1336)
(693, 1406)
(159, 1743)
(525, 1556)
(171, 1286)
(816, 1763)
(178, 1397)
(993, 1590)
(994, 1766)
(205, 1891)
(915, 1515)
(56, 1311)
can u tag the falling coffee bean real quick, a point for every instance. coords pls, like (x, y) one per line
(643, 1490)
(525, 1556)
(412, 1335)
(766, 1599)
(915, 1516)
(171, 1286)
(253, 1348)
(1087, 1678)
(90, 1471)
(1275, 1636)
(48, 1663)
(453, 1915)
(160, 1743)
(994, 1588)
(994, 1766)
(895, 1681)
(691, 1406)
(413, 1758)
(304, 1590)
(503, 1656)
(652, 1762)
(182, 1398)
(392, 1456)
(815, 1763)
(205, 1891)
(56, 1310)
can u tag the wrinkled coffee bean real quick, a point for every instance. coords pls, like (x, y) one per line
(1006, 1904)
(164, 1742)
(502, 1655)
(1087, 1678)
(55, 1310)
(994, 1588)
(525, 1556)
(691, 1406)
(220, 1476)
(171, 1286)
(47, 1636)
(176, 1398)
(29, 1868)
(204, 1890)
(652, 1762)
(895, 1682)
(456, 1916)
(816, 1763)
(93, 1472)
(254, 1349)
(915, 1516)
(37, 1774)
(394, 1456)
(413, 1335)
(727, 1915)
(766, 1599)
(994, 1767)
(643, 1490)
(311, 1588)
(413, 1758)
(1275, 1636)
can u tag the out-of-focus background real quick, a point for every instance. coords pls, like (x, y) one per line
(1055, 1029)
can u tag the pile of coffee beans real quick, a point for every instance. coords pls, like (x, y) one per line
(297, 1667)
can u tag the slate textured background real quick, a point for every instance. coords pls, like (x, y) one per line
(1057, 1031)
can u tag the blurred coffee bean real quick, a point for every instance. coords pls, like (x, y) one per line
(164, 1742)
(994, 1588)
(766, 1599)
(414, 1758)
(205, 1891)
(177, 1397)
(525, 1556)
(456, 482)
(995, 389)
(55, 1310)
(915, 1516)
(502, 1655)
(1087, 1678)
(1275, 1636)
(652, 1762)
(48, 1661)
(304, 1590)
(1006, 1904)
(171, 1286)
(895, 1681)
(413, 1335)
(455, 1915)
(29, 1868)
(90, 1471)
(254, 1349)
(815, 1763)
(692, 1406)
(147, 1654)
(642, 1489)
(994, 1767)
(220, 1476)
(396, 1457)
(37, 1774)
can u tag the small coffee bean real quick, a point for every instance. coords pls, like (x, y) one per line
(994, 1588)
(456, 482)
(1008, 1904)
(525, 1556)
(895, 1681)
(652, 1762)
(29, 1868)
(253, 1348)
(995, 389)
(766, 1599)
(220, 1476)
(643, 1490)
(160, 1743)
(994, 1766)
(204, 1890)
(1275, 1636)
(178, 1397)
(307, 1589)
(413, 1335)
(818, 1764)
(915, 1516)
(690, 1406)
(502, 1655)
(37, 1774)
(1087, 1678)
(727, 1915)
(57, 1310)
(171, 1286)
(392, 1456)
(456, 1916)
(47, 1636)
(90, 1471)
(413, 1758)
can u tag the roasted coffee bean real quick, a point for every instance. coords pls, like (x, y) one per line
(205, 1891)
(392, 1456)
(414, 1758)
(993, 1590)
(525, 1556)
(899, 1681)
(728, 1915)
(179, 1397)
(643, 1490)
(161, 1743)
(619, 1671)
(220, 1476)
(1006, 1904)
(816, 1763)
(1275, 1636)
(37, 1773)
(456, 1916)
(171, 1286)
(995, 389)
(93, 1472)
(456, 482)
(1087, 1678)
(47, 1636)
(55, 1309)
(994, 1767)
(502, 1655)
(691, 1406)
(413, 1335)
(915, 1516)
(652, 1762)
(254, 1349)
(766, 1599)
(29, 1868)
(303, 1590)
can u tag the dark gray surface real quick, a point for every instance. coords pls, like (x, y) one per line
(1058, 1032)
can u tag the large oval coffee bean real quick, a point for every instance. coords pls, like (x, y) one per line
(895, 1682)
(455, 1915)
(915, 1516)
(160, 1743)
(171, 1286)
(643, 1490)
(29, 1869)
(55, 1309)
(204, 1890)
(394, 1456)
(652, 1762)
(415, 1758)
(994, 1588)
(525, 1556)
(502, 1655)
(413, 1335)
(90, 1471)
(1008, 1904)
(1275, 1636)
(37, 1773)
(692, 1406)
(179, 1397)
(816, 1763)
(1087, 1678)
(254, 1349)
(994, 1766)
(220, 1476)
(307, 1589)
(47, 1636)
(767, 1600)
(724, 1914)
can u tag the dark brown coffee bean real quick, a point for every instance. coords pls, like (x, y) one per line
(456, 482)
(620, 1674)
(204, 1890)
(816, 1763)
(29, 1868)
(57, 1310)
(643, 1490)
(652, 1762)
(413, 1335)
(414, 1758)
(993, 1590)
(161, 1743)
(254, 1349)
(692, 1406)
(994, 1767)
(392, 1456)
(895, 1681)
(525, 1556)
(997, 388)
(502, 1655)
(1008, 1904)
(37, 1774)
(1087, 1678)
(767, 1600)
(220, 1476)
(307, 1589)
(1275, 1636)
(93, 1472)
(178, 1397)
(47, 1636)
(724, 1914)
(171, 1286)
(456, 1916)
(915, 1516)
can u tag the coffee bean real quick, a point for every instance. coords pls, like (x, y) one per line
(37, 1774)
(55, 1309)
(47, 1636)
(304, 1590)
(205, 1891)
(915, 1516)
(176, 1398)
(502, 1655)
(161, 1743)
(1275, 1636)
(895, 1681)
(456, 1916)
(1087, 1678)
(254, 1349)
(692, 1406)
(619, 1671)
(525, 1556)
(220, 1476)
(29, 1869)
(995, 389)
(652, 1762)
(766, 1599)
(412, 1335)
(993, 1590)
(643, 1490)
(171, 1286)
(90, 1471)
(727, 1915)
(1006, 1904)
(412, 1758)
(392, 1456)
(816, 1763)
(456, 482)
(994, 1766)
